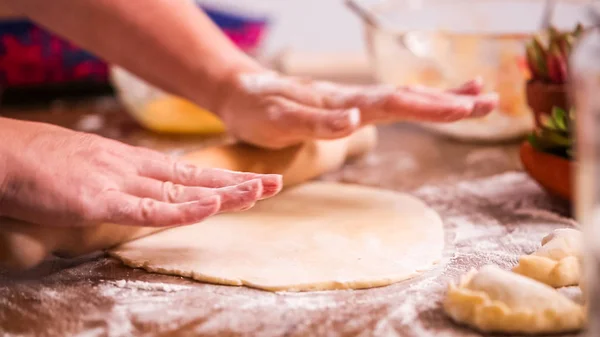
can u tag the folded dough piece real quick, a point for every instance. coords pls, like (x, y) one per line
(558, 262)
(495, 300)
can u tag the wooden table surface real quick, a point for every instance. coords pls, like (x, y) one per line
(492, 213)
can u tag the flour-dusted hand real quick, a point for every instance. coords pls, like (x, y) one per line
(272, 110)
(54, 176)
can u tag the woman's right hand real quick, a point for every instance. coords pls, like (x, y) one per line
(57, 177)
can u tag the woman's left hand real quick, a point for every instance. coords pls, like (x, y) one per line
(274, 111)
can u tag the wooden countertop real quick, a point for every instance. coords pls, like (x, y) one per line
(492, 212)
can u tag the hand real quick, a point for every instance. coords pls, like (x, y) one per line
(274, 111)
(57, 177)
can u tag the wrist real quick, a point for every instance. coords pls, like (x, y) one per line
(222, 84)
(7, 138)
(16, 137)
(3, 180)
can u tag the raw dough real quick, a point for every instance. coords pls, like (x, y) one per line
(558, 262)
(316, 236)
(495, 300)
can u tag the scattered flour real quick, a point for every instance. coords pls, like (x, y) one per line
(479, 156)
(146, 286)
(548, 216)
(492, 220)
(487, 221)
(90, 123)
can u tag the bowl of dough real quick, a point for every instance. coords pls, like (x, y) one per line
(443, 43)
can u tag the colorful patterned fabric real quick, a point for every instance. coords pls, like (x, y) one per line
(32, 56)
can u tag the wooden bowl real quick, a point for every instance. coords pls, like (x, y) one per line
(553, 173)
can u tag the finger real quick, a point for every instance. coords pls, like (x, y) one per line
(375, 97)
(241, 197)
(469, 90)
(484, 104)
(233, 198)
(187, 174)
(328, 95)
(305, 122)
(316, 94)
(444, 94)
(129, 210)
(362, 97)
(407, 105)
(472, 87)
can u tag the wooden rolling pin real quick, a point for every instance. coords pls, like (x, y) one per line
(24, 245)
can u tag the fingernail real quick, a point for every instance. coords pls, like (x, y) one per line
(354, 116)
(466, 103)
(272, 184)
(458, 110)
(249, 186)
(343, 120)
(272, 180)
(483, 108)
(247, 207)
(485, 104)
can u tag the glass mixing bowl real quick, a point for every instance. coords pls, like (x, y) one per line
(443, 43)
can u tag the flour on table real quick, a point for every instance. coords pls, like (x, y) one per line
(90, 123)
(479, 217)
(140, 285)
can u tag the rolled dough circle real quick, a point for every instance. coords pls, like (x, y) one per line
(316, 236)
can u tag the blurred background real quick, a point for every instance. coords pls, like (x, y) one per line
(31, 56)
(439, 43)
(307, 25)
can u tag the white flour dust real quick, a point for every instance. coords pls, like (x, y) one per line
(374, 169)
(548, 216)
(492, 220)
(147, 286)
(487, 221)
(90, 123)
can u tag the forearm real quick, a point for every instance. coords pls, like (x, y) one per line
(170, 44)
(3, 163)
(14, 135)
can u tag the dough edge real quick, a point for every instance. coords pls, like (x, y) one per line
(476, 309)
(555, 273)
(365, 283)
(330, 285)
(562, 273)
